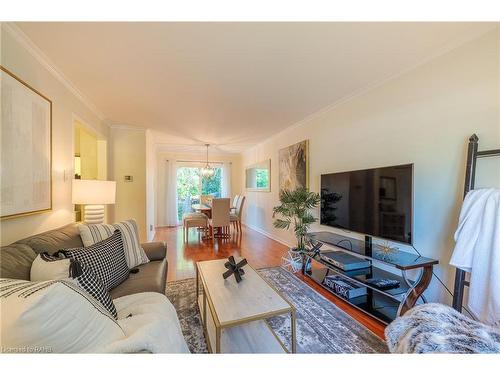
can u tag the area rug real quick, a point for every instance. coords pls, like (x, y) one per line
(321, 326)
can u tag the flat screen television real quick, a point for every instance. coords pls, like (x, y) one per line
(376, 202)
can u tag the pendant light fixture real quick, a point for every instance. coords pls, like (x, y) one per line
(207, 171)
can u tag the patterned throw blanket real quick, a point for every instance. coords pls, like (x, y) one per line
(437, 328)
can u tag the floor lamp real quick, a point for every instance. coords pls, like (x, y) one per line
(94, 194)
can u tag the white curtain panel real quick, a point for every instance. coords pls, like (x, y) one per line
(171, 218)
(226, 180)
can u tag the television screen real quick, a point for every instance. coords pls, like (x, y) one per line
(377, 202)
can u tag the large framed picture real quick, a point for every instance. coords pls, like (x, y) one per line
(26, 148)
(294, 166)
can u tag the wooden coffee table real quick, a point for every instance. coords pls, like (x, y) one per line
(234, 314)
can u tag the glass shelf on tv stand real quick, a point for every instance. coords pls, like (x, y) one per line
(383, 304)
(379, 304)
(399, 259)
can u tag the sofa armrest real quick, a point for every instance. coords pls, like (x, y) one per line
(155, 250)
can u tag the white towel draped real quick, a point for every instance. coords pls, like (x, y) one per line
(477, 251)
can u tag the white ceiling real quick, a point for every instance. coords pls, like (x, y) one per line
(233, 84)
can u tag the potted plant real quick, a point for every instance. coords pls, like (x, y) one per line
(295, 209)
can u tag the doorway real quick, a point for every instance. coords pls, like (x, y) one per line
(90, 156)
(191, 185)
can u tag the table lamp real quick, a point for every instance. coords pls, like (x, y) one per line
(93, 194)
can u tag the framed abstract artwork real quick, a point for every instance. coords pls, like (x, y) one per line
(294, 166)
(26, 148)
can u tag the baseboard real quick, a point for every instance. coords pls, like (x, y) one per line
(267, 234)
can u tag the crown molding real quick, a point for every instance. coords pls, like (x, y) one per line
(38, 54)
(127, 127)
(191, 149)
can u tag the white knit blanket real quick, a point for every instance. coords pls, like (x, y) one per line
(150, 324)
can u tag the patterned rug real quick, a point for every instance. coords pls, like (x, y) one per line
(321, 326)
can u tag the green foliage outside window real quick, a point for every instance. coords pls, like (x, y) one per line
(212, 185)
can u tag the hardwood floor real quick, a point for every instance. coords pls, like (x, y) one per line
(259, 250)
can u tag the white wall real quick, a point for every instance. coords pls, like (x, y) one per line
(21, 59)
(423, 117)
(127, 154)
(161, 179)
(150, 186)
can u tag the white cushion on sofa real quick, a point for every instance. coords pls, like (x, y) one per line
(54, 316)
(44, 268)
(150, 324)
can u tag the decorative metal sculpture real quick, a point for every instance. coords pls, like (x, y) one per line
(315, 248)
(236, 268)
(385, 250)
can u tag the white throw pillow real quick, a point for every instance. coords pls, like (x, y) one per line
(134, 253)
(53, 316)
(47, 267)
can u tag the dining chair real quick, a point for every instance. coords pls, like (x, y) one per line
(194, 219)
(235, 217)
(235, 203)
(220, 217)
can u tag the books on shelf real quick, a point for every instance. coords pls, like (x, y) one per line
(344, 287)
(344, 261)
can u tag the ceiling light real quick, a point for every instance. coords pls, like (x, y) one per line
(207, 171)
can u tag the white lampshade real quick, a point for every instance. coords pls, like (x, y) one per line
(94, 192)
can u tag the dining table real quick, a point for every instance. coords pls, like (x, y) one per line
(203, 208)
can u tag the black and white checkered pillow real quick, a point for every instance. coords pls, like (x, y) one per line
(88, 281)
(106, 259)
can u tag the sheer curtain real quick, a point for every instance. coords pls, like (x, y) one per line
(226, 180)
(171, 217)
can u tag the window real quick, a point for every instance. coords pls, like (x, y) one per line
(191, 185)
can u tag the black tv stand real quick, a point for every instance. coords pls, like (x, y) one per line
(383, 305)
(368, 246)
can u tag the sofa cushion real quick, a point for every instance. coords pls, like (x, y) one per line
(62, 238)
(150, 278)
(155, 250)
(54, 316)
(15, 261)
(105, 258)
